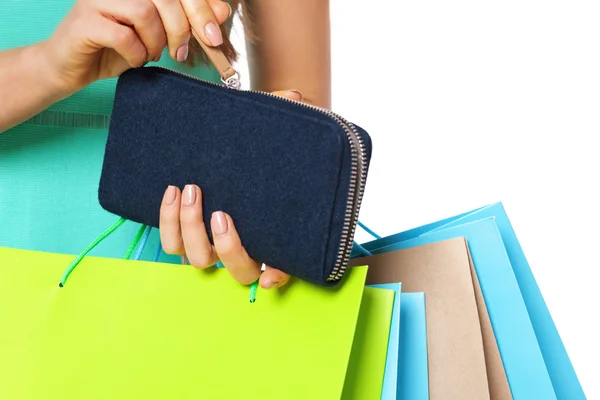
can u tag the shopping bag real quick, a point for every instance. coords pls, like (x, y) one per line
(497, 381)
(126, 329)
(413, 380)
(521, 356)
(406, 375)
(546, 368)
(390, 379)
(441, 270)
(560, 369)
(367, 365)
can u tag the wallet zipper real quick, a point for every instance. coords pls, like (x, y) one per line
(358, 173)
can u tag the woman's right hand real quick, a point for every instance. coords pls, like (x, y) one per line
(103, 38)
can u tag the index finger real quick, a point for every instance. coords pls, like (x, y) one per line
(205, 17)
(230, 250)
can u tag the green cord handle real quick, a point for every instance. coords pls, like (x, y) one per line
(130, 250)
(135, 242)
(253, 290)
(90, 247)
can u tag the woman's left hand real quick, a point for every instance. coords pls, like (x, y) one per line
(183, 232)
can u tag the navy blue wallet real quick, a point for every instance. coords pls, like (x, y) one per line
(291, 175)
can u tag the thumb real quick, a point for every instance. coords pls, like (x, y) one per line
(291, 94)
(221, 9)
(115, 65)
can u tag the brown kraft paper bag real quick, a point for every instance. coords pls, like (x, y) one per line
(463, 357)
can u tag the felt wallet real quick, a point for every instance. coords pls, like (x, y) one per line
(290, 175)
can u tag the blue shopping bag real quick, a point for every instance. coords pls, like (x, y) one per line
(413, 373)
(535, 360)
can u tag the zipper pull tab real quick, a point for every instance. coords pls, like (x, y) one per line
(229, 76)
(233, 82)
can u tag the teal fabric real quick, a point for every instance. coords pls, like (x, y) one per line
(50, 165)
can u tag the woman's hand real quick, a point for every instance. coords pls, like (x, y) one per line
(103, 38)
(182, 232)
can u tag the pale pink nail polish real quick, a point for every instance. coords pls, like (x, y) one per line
(182, 53)
(189, 196)
(171, 195)
(213, 33)
(219, 225)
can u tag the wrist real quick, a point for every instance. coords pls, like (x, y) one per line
(48, 72)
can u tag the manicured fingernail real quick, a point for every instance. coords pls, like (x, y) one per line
(171, 195)
(219, 223)
(297, 95)
(230, 9)
(182, 53)
(269, 284)
(189, 196)
(213, 33)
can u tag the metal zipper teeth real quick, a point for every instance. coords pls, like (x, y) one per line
(355, 192)
(358, 192)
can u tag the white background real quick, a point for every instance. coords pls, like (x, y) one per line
(473, 102)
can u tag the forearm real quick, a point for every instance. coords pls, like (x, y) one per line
(26, 85)
(292, 50)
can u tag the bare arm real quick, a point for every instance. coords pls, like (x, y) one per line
(98, 40)
(27, 86)
(293, 48)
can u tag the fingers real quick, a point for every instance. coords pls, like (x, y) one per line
(198, 249)
(169, 226)
(181, 225)
(290, 94)
(144, 17)
(176, 26)
(221, 9)
(183, 232)
(160, 23)
(122, 39)
(205, 17)
(150, 29)
(230, 250)
(273, 278)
